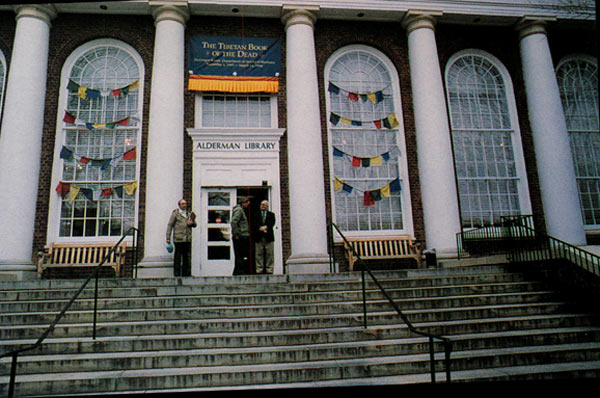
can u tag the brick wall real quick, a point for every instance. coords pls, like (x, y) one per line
(70, 31)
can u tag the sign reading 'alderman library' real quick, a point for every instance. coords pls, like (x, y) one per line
(234, 64)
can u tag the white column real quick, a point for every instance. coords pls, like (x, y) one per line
(436, 165)
(305, 152)
(21, 138)
(164, 178)
(554, 160)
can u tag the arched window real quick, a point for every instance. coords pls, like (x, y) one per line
(97, 146)
(578, 84)
(2, 80)
(366, 143)
(487, 148)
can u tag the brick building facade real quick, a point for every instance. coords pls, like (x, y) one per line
(494, 35)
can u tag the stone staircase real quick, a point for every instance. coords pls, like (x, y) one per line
(292, 331)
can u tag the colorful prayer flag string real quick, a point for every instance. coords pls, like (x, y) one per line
(390, 122)
(370, 196)
(73, 190)
(71, 119)
(85, 92)
(68, 154)
(375, 97)
(365, 161)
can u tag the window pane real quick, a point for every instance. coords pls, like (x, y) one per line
(482, 141)
(578, 84)
(361, 98)
(107, 127)
(252, 110)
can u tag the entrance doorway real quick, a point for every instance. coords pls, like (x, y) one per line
(216, 246)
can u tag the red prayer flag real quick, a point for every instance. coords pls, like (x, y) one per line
(63, 188)
(377, 123)
(353, 96)
(130, 154)
(368, 199)
(68, 118)
(84, 160)
(116, 92)
(106, 192)
(123, 122)
(356, 161)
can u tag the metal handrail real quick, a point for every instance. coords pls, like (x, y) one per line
(547, 247)
(445, 340)
(492, 236)
(49, 329)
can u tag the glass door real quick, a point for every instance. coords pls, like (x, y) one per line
(216, 245)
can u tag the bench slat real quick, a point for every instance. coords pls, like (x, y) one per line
(382, 248)
(81, 255)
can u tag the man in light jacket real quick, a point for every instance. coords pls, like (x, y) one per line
(180, 226)
(240, 232)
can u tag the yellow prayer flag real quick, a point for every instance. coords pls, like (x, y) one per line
(393, 121)
(73, 192)
(338, 184)
(346, 120)
(376, 161)
(82, 92)
(130, 187)
(385, 191)
(99, 125)
(134, 85)
(372, 97)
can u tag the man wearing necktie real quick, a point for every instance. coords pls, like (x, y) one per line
(263, 244)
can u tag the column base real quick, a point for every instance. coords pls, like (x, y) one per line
(155, 267)
(18, 271)
(310, 263)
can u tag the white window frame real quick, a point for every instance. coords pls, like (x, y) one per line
(3, 83)
(592, 228)
(406, 204)
(198, 111)
(53, 234)
(521, 171)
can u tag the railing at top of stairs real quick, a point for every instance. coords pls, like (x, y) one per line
(447, 343)
(543, 247)
(94, 274)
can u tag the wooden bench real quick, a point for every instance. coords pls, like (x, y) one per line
(65, 255)
(383, 248)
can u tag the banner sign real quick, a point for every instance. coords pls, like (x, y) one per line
(234, 64)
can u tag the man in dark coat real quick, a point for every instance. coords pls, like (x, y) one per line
(263, 224)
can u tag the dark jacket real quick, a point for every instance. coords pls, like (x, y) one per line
(257, 223)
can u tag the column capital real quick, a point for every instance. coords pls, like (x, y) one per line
(170, 11)
(292, 15)
(45, 12)
(530, 25)
(419, 19)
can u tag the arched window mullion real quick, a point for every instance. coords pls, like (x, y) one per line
(483, 142)
(577, 79)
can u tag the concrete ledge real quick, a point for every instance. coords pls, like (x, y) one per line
(309, 263)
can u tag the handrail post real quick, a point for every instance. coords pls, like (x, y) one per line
(448, 350)
(364, 294)
(13, 375)
(95, 306)
(431, 359)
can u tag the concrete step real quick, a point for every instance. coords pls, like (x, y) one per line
(275, 310)
(224, 339)
(242, 354)
(166, 299)
(304, 371)
(282, 322)
(181, 286)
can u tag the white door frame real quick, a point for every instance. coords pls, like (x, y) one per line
(231, 158)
